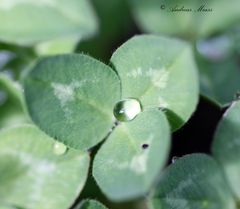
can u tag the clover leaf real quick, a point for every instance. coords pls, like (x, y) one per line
(161, 73)
(134, 148)
(90, 204)
(80, 101)
(226, 147)
(200, 181)
(196, 19)
(28, 22)
(12, 107)
(32, 174)
(71, 97)
(193, 181)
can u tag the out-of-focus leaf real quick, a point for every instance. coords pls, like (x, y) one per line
(12, 108)
(219, 69)
(27, 22)
(193, 182)
(185, 18)
(32, 176)
(90, 204)
(112, 30)
(226, 146)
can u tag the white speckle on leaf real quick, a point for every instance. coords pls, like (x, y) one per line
(40, 169)
(138, 164)
(159, 77)
(65, 93)
(135, 73)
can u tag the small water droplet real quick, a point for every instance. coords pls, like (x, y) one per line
(127, 109)
(174, 159)
(59, 148)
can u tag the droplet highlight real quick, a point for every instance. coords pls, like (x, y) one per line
(59, 148)
(174, 159)
(127, 109)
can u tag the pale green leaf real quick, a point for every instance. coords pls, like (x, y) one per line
(129, 161)
(71, 98)
(13, 88)
(159, 17)
(12, 108)
(90, 204)
(28, 21)
(226, 146)
(193, 182)
(32, 176)
(161, 73)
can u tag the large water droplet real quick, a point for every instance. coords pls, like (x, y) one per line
(59, 148)
(127, 109)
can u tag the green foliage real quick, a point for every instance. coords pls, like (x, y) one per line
(199, 181)
(32, 176)
(226, 147)
(162, 17)
(72, 98)
(80, 94)
(90, 204)
(12, 105)
(129, 156)
(217, 60)
(152, 64)
(28, 22)
(194, 181)
(122, 114)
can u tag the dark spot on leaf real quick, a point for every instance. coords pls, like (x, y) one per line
(145, 146)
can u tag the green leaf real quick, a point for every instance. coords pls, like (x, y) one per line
(218, 64)
(12, 115)
(161, 73)
(215, 77)
(71, 98)
(32, 176)
(156, 16)
(226, 146)
(193, 182)
(12, 109)
(129, 161)
(13, 88)
(27, 22)
(57, 46)
(90, 204)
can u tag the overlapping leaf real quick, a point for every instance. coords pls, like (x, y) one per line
(27, 22)
(32, 176)
(161, 73)
(226, 147)
(90, 204)
(71, 97)
(130, 160)
(188, 18)
(193, 182)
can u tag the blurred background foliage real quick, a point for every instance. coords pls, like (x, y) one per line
(29, 29)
